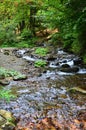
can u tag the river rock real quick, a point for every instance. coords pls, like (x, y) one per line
(70, 69)
(51, 58)
(77, 61)
(20, 77)
(6, 52)
(77, 89)
(7, 120)
(65, 66)
(18, 55)
(4, 82)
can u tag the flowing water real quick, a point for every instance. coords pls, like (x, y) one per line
(45, 92)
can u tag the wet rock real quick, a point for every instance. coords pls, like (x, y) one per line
(77, 89)
(65, 66)
(64, 61)
(20, 77)
(77, 61)
(81, 114)
(69, 69)
(6, 52)
(48, 77)
(56, 63)
(4, 82)
(45, 71)
(29, 58)
(7, 120)
(18, 55)
(51, 58)
(39, 75)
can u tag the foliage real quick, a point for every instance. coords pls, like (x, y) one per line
(26, 34)
(7, 73)
(40, 63)
(6, 95)
(10, 73)
(25, 44)
(24, 18)
(41, 51)
(84, 58)
(21, 44)
(72, 25)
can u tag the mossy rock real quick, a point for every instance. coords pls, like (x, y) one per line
(4, 73)
(6, 119)
(77, 89)
(20, 77)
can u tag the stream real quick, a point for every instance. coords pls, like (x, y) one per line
(45, 92)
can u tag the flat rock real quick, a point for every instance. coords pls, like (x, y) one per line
(4, 82)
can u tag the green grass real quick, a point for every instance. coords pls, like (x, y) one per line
(40, 63)
(6, 95)
(41, 51)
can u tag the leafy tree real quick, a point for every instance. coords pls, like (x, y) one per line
(21, 19)
(72, 25)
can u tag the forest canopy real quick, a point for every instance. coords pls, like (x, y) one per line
(20, 20)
